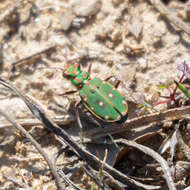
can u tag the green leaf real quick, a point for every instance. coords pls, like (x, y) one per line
(162, 86)
(183, 89)
(166, 85)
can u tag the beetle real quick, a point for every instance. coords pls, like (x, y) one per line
(100, 97)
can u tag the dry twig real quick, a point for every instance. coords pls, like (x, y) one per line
(38, 147)
(28, 122)
(68, 181)
(172, 114)
(33, 56)
(183, 147)
(81, 152)
(155, 155)
(89, 171)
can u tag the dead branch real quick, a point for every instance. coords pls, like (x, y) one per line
(156, 156)
(37, 146)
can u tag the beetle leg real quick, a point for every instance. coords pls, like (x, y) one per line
(96, 122)
(78, 115)
(93, 120)
(115, 82)
(106, 79)
(129, 92)
(79, 120)
(68, 92)
(89, 68)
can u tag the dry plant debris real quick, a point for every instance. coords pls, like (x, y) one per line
(145, 44)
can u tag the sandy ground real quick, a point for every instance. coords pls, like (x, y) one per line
(127, 39)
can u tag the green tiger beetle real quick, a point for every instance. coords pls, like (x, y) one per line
(100, 97)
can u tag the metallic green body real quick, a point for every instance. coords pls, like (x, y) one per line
(103, 100)
(99, 97)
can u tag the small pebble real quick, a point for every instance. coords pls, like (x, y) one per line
(66, 85)
(142, 63)
(66, 19)
(78, 22)
(157, 38)
(85, 8)
(135, 26)
(116, 35)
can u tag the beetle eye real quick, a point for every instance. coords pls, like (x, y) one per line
(92, 91)
(97, 87)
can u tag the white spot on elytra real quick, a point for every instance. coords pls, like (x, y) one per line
(85, 98)
(110, 95)
(124, 102)
(101, 103)
(106, 117)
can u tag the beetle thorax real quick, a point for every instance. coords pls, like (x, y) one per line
(80, 79)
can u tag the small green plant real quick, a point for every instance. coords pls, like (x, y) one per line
(101, 167)
(185, 69)
(183, 89)
(172, 91)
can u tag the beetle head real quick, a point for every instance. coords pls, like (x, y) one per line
(71, 70)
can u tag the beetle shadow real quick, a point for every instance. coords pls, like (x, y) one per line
(88, 120)
(87, 123)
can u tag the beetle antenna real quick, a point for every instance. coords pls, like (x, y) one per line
(57, 68)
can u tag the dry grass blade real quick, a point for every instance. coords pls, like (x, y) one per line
(38, 147)
(172, 114)
(33, 56)
(68, 181)
(89, 171)
(81, 152)
(112, 182)
(183, 147)
(156, 156)
(28, 122)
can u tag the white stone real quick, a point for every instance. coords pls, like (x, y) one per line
(85, 8)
